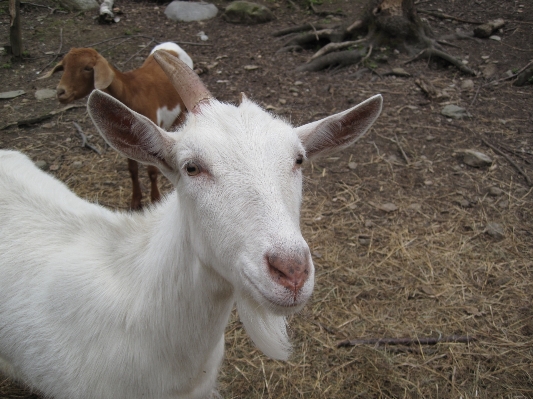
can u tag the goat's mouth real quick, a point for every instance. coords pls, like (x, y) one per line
(280, 300)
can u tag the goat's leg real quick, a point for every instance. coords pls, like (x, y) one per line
(154, 191)
(136, 196)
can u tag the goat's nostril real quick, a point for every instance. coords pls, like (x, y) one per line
(290, 272)
(60, 92)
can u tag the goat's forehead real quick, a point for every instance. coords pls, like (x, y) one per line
(244, 129)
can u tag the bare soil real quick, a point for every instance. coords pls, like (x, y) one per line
(425, 266)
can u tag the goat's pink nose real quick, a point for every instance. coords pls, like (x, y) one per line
(289, 271)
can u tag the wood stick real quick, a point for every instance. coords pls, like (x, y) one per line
(461, 339)
(37, 119)
(85, 142)
(57, 53)
(509, 159)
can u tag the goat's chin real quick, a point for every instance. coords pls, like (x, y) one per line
(266, 328)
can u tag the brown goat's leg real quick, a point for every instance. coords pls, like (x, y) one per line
(152, 173)
(136, 196)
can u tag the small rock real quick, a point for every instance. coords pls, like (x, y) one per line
(495, 191)
(388, 207)
(415, 207)
(509, 73)
(369, 223)
(54, 167)
(352, 165)
(400, 72)
(489, 70)
(524, 78)
(463, 202)
(41, 164)
(455, 112)
(467, 84)
(430, 137)
(77, 164)
(364, 240)
(495, 37)
(7, 95)
(190, 11)
(250, 67)
(44, 94)
(476, 159)
(495, 230)
(504, 204)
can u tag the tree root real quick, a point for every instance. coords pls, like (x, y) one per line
(330, 47)
(339, 59)
(298, 29)
(433, 52)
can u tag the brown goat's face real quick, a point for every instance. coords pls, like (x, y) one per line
(80, 69)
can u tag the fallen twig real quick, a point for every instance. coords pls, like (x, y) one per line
(460, 339)
(85, 142)
(509, 159)
(32, 121)
(142, 49)
(509, 77)
(58, 52)
(146, 37)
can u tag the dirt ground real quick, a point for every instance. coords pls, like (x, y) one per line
(407, 240)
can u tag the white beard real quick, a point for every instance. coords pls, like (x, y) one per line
(267, 330)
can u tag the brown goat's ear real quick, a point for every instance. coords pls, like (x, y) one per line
(57, 68)
(103, 74)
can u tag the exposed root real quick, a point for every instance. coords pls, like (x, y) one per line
(298, 29)
(433, 52)
(339, 59)
(330, 47)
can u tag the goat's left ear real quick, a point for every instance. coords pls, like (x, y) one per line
(103, 74)
(131, 134)
(341, 130)
(57, 68)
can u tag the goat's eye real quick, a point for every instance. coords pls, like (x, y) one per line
(87, 69)
(299, 159)
(192, 169)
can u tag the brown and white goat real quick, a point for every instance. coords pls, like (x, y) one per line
(146, 90)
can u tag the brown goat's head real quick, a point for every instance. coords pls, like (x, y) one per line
(83, 71)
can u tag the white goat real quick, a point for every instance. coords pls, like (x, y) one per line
(99, 304)
(146, 90)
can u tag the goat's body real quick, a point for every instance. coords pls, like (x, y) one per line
(124, 315)
(133, 88)
(146, 90)
(98, 304)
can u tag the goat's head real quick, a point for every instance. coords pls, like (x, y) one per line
(238, 176)
(83, 71)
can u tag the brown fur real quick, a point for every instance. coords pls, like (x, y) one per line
(144, 90)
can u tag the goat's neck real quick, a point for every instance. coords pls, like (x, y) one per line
(121, 87)
(171, 275)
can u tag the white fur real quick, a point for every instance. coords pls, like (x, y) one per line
(182, 54)
(100, 304)
(166, 117)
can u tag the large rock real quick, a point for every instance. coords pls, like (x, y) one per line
(79, 5)
(247, 13)
(190, 11)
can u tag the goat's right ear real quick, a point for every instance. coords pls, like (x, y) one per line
(131, 134)
(103, 74)
(57, 68)
(341, 130)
